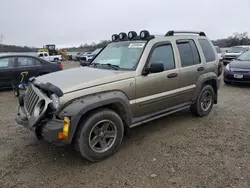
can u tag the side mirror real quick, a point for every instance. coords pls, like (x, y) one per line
(154, 68)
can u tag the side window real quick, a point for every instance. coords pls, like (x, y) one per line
(26, 61)
(163, 54)
(188, 53)
(38, 63)
(40, 55)
(207, 50)
(45, 55)
(7, 62)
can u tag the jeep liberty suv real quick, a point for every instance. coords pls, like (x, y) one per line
(133, 80)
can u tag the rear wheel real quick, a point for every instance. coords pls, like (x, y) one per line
(204, 102)
(56, 60)
(100, 135)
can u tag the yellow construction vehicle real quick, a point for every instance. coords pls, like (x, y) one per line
(51, 49)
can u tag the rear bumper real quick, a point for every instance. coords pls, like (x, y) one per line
(47, 130)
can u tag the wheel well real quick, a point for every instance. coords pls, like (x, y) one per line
(213, 83)
(116, 107)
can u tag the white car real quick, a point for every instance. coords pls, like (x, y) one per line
(234, 52)
(46, 56)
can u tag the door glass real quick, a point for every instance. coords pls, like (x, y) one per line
(7, 62)
(163, 54)
(26, 62)
(45, 55)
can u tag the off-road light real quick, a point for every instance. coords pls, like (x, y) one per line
(115, 37)
(122, 36)
(132, 34)
(144, 34)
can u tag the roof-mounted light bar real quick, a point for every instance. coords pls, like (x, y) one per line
(172, 32)
(132, 35)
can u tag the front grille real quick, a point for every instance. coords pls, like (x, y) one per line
(30, 100)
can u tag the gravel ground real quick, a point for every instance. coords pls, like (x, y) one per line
(176, 151)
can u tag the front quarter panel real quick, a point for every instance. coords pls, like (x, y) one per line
(78, 108)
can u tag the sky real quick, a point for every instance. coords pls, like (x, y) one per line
(74, 22)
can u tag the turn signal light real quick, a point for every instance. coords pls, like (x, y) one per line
(63, 135)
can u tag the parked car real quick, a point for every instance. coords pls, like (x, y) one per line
(74, 55)
(130, 82)
(46, 56)
(219, 53)
(238, 70)
(69, 55)
(11, 67)
(89, 55)
(234, 52)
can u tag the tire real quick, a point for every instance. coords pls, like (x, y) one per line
(87, 131)
(56, 60)
(227, 82)
(197, 108)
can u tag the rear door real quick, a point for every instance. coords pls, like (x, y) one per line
(191, 67)
(7, 64)
(27, 64)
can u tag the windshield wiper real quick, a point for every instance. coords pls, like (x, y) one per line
(115, 67)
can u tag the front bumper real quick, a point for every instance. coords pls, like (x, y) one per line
(229, 77)
(46, 130)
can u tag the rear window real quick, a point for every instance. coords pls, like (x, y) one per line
(207, 50)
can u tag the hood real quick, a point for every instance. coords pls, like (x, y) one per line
(240, 64)
(83, 77)
(232, 54)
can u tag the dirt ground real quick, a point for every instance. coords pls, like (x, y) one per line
(176, 151)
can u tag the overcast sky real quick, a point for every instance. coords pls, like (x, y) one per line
(75, 22)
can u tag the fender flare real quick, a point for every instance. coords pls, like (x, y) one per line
(200, 82)
(79, 107)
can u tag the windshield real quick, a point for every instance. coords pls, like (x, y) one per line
(237, 50)
(244, 57)
(218, 49)
(123, 54)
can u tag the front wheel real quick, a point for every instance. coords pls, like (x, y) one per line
(100, 135)
(204, 102)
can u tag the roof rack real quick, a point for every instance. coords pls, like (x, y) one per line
(171, 33)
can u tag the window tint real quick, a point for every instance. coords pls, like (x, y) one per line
(40, 55)
(26, 61)
(7, 62)
(163, 54)
(188, 53)
(207, 50)
(45, 55)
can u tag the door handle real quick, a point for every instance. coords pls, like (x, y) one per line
(173, 75)
(201, 69)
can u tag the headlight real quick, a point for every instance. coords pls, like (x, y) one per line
(227, 67)
(55, 101)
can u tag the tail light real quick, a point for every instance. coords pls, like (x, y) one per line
(61, 66)
(219, 69)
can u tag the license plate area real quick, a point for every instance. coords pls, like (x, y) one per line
(238, 76)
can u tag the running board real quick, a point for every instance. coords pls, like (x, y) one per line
(167, 112)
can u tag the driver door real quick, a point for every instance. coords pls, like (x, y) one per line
(156, 91)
